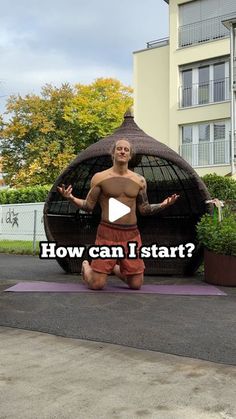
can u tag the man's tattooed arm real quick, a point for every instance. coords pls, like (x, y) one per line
(89, 203)
(143, 205)
(148, 209)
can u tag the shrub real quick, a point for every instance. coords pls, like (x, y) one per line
(23, 195)
(219, 237)
(220, 187)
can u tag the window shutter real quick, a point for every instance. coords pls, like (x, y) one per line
(227, 7)
(189, 13)
(209, 9)
(196, 11)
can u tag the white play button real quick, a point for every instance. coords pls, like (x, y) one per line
(116, 209)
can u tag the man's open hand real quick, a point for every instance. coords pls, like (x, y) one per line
(66, 192)
(170, 200)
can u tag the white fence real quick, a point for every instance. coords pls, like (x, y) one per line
(22, 222)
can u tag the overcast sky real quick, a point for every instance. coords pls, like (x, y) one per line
(75, 41)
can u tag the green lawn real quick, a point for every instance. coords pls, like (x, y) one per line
(18, 247)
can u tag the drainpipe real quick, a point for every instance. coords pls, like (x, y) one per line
(233, 87)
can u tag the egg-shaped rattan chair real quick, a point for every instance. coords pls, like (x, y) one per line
(165, 172)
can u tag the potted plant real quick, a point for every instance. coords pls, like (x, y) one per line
(219, 241)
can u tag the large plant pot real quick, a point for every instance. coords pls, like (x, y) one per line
(220, 269)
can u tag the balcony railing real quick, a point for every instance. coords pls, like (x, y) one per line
(203, 93)
(203, 31)
(158, 43)
(206, 153)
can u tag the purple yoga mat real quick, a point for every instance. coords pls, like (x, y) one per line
(186, 289)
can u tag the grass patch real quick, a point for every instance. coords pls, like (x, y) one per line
(18, 247)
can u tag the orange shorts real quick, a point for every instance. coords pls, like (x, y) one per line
(113, 235)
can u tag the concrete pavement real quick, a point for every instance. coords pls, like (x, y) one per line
(45, 377)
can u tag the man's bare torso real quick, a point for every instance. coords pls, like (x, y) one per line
(125, 188)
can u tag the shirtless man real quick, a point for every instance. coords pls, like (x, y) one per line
(131, 189)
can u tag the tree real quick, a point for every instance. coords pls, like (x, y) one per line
(45, 132)
(98, 109)
(37, 142)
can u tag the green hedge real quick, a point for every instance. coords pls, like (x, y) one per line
(220, 187)
(23, 195)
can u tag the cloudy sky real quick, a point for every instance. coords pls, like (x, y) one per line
(75, 41)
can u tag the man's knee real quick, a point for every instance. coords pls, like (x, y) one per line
(135, 281)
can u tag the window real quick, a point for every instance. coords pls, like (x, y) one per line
(204, 155)
(220, 150)
(187, 134)
(187, 88)
(187, 138)
(205, 84)
(203, 88)
(206, 144)
(219, 82)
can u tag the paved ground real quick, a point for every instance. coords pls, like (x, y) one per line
(48, 376)
(45, 376)
(196, 326)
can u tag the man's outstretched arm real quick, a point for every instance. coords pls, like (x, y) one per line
(86, 204)
(148, 209)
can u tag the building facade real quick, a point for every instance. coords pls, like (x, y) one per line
(182, 87)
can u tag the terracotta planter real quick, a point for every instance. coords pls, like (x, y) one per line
(220, 269)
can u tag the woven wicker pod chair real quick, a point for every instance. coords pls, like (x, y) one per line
(165, 172)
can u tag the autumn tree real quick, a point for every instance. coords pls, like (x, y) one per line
(98, 109)
(37, 142)
(45, 132)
